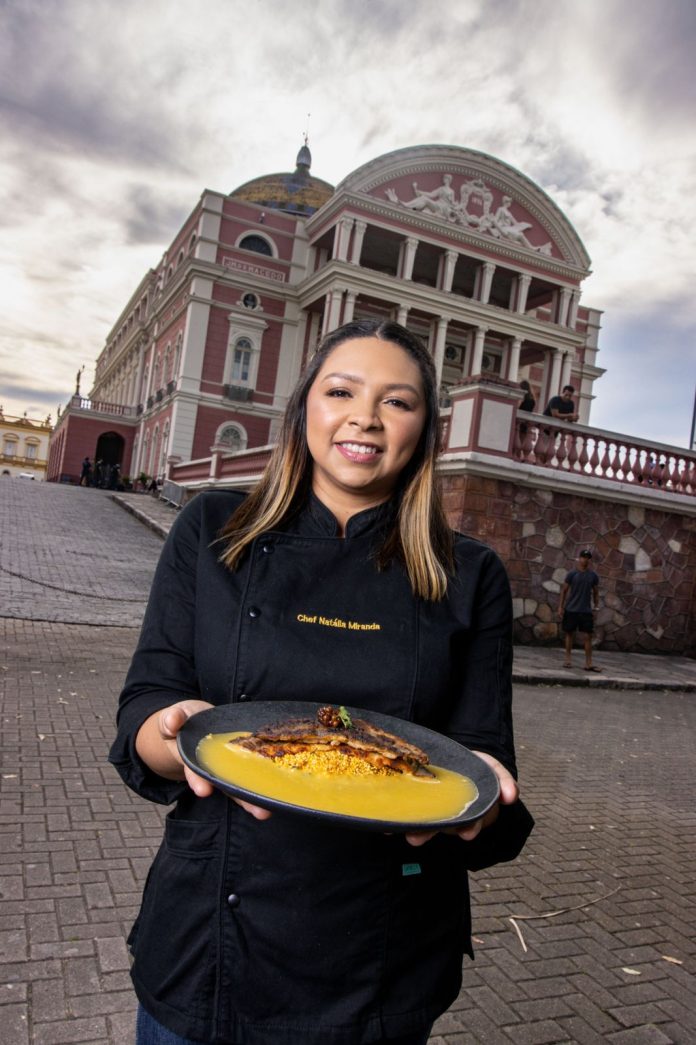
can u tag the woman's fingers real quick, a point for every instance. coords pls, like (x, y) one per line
(509, 790)
(201, 787)
(256, 811)
(509, 793)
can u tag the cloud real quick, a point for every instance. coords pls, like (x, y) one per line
(114, 117)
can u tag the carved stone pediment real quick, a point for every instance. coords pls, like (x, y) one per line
(471, 203)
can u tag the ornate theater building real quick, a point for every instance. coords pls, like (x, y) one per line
(457, 245)
(473, 256)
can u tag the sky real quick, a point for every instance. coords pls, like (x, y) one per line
(114, 116)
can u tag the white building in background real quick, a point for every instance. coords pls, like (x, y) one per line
(24, 446)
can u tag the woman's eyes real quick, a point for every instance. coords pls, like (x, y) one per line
(344, 393)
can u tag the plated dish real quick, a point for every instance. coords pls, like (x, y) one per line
(355, 767)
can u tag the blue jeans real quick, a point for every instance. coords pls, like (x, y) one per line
(149, 1032)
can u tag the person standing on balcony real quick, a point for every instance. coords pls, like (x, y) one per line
(562, 407)
(579, 598)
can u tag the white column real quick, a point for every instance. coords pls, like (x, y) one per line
(477, 354)
(332, 311)
(360, 230)
(487, 271)
(523, 282)
(563, 303)
(448, 263)
(555, 378)
(402, 315)
(349, 307)
(566, 368)
(514, 359)
(439, 345)
(342, 238)
(573, 310)
(410, 247)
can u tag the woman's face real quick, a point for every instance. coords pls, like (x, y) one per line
(365, 415)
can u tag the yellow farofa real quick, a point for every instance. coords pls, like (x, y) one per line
(333, 763)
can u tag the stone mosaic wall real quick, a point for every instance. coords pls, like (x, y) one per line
(645, 558)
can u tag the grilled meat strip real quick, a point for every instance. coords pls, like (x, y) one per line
(362, 739)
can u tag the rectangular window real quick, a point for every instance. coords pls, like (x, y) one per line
(31, 451)
(10, 448)
(241, 367)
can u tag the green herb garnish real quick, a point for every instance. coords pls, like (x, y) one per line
(345, 717)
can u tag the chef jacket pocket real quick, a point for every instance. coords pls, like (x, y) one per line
(176, 943)
(429, 916)
(311, 920)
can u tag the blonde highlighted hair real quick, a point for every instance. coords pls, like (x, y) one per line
(419, 536)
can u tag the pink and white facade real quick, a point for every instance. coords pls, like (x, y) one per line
(460, 247)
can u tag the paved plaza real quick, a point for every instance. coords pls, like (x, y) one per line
(601, 945)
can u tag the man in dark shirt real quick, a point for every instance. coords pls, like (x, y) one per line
(562, 406)
(579, 597)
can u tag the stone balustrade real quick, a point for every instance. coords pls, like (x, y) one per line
(585, 451)
(78, 402)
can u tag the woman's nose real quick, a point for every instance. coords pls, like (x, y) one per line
(365, 417)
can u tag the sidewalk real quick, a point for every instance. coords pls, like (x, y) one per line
(589, 937)
(534, 665)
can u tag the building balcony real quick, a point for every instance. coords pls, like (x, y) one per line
(23, 462)
(95, 406)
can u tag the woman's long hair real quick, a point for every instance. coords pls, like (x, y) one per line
(419, 536)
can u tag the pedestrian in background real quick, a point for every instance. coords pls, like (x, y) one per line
(579, 598)
(86, 473)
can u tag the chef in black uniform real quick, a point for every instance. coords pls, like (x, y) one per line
(336, 580)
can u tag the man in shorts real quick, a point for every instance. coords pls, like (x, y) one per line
(579, 598)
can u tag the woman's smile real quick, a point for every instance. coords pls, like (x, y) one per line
(359, 452)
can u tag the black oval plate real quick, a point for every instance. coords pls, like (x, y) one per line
(442, 751)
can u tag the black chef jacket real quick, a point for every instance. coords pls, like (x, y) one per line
(290, 931)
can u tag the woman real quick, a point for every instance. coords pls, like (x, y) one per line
(277, 930)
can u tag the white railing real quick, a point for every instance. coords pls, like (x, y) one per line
(579, 450)
(79, 402)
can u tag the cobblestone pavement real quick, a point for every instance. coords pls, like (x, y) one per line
(70, 554)
(603, 897)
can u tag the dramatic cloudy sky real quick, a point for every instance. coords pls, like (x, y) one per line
(115, 115)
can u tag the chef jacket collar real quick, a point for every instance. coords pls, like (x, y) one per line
(318, 521)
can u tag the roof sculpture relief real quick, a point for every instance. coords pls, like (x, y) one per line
(481, 197)
(474, 208)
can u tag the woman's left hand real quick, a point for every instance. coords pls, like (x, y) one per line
(509, 793)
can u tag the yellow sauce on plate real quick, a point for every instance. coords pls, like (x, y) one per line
(397, 797)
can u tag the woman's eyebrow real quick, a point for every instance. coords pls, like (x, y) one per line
(395, 386)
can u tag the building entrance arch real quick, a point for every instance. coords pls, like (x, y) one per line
(109, 449)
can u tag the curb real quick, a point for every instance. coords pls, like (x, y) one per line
(602, 682)
(143, 517)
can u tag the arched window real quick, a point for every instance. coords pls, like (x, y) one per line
(241, 362)
(258, 244)
(232, 437)
(192, 242)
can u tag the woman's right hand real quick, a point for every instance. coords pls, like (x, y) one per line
(156, 744)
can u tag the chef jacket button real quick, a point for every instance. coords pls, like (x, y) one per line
(244, 696)
(254, 611)
(233, 900)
